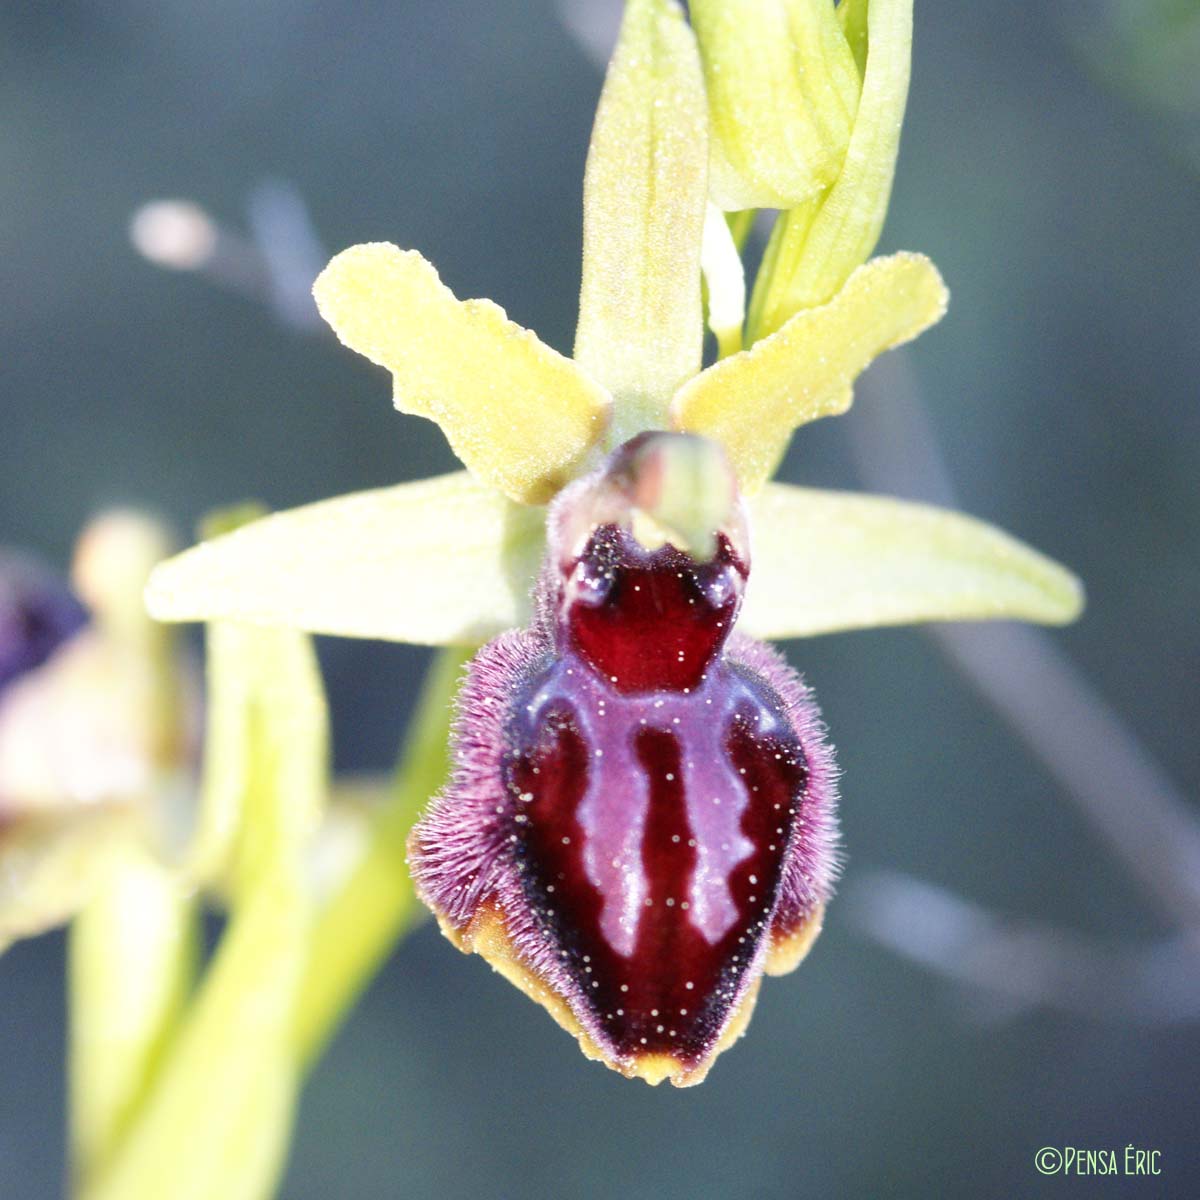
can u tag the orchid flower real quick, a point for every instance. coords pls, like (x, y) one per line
(640, 819)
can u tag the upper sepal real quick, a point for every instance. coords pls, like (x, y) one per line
(640, 329)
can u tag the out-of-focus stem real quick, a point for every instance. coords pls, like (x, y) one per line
(132, 957)
(375, 904)
(217, 1120)
(1024, 965)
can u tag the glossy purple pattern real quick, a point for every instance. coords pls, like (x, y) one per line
(641, 804)
(652, 860)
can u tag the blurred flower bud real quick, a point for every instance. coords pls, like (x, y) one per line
(95, 734)
(817, 244)
(38, 613)
(176, 234)
(782, 92)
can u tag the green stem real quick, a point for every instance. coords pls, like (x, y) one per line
(358, 926)
(132, 957)
(772, 300)
(217, 1121)
(740, 224)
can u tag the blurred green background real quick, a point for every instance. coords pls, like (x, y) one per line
(1050, 167)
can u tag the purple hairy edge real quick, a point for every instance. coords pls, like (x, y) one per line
(634, 849)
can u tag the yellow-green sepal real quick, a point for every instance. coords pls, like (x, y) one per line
(826, 561)
(442, 561)
(640, 329)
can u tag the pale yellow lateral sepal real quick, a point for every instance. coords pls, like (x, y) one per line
(640, 328)
(439, 562)
(751, 402)
(782, 94)
(519, 415)
(828, 561)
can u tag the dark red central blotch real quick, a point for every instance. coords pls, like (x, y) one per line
(650, 620)
(672, 992)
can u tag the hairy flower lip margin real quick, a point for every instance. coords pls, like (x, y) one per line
(513, 855)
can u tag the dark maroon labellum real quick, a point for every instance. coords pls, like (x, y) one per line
(641, 816)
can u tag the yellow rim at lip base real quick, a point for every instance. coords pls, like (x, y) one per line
(487, 935)
(788, 952)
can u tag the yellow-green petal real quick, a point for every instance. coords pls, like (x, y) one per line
(814, 247)
(439, 562)
(640, 327)
(752, 401)
(519, 415)
(827, 561)
(782, 92)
